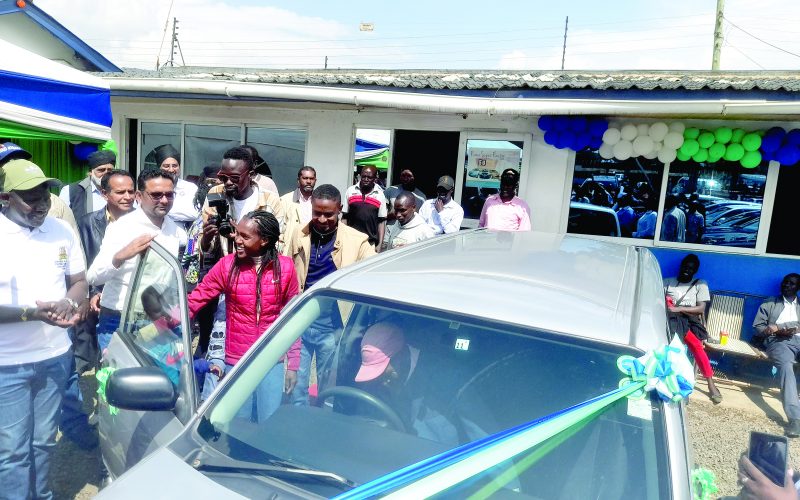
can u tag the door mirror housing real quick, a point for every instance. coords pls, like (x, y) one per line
(142, 388)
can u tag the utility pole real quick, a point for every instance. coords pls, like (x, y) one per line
(564, 50)
(176, 45)
(718, 35)
(326, 62)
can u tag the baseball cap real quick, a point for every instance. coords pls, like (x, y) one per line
(10, 151)
(446, 182)
(380, 343)
(21, 175)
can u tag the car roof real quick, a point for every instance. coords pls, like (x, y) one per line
(562, 283)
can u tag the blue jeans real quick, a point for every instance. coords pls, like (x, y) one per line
(107, 324)
(263, 401)
(30, 398)
(323, 343)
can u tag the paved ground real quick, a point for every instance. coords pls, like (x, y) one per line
(720, 433)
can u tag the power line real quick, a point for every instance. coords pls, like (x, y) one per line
(727, 43)
(761, 39)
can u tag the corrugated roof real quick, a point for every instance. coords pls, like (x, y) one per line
(493, 79)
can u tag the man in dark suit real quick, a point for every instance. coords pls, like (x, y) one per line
(85, 196)
(119, 192)
(776, 329)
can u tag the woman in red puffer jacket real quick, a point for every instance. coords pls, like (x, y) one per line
(257, 283)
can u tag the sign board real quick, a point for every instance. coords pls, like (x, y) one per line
(366, 27)
(484, 166)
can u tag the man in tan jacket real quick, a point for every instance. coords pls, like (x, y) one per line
(319, 248)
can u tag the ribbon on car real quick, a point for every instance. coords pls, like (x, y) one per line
(440, 472)
(666, 370)
(102, 377)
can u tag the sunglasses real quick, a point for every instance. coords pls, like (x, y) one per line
(157, 196)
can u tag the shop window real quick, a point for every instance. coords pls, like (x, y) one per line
(284, 150)
(155, 134)
(614, 197)
(206, 144)
(485, 161)
(713, 204)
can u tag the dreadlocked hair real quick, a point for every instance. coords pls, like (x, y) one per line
(268, 229)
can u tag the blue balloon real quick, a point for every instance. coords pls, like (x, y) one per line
(582, 141)
(578, 123)
(551, 137)
(566, 139)
(776, 131)
(560, 123)
(793, 137)
(788, 155)
(83, 150)
(545, 122)
(595, 141)
(770, 143)
(767, 155)
(597, 126)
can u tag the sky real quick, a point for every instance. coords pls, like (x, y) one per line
(437, 34)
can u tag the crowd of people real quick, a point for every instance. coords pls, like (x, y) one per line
(245, 251)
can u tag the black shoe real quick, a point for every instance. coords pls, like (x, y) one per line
(793, 429)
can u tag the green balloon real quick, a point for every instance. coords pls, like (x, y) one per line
(734, 152)
(738, 135)
(706, 139)
(751, 142)
(690, 147)
(751, 159)
(717, 151)
(701, 156)
(723, 135)
(691, 133)
(682, 156)
(761, 133)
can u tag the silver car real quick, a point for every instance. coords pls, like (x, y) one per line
(495, 330)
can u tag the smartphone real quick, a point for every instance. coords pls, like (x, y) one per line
(770, 453)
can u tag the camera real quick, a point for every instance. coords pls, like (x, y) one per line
(222, 220)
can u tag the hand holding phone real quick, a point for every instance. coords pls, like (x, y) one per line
(770, 454)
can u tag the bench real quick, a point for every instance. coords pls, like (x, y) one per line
(726, 314)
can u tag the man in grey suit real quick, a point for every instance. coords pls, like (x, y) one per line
(776, 329)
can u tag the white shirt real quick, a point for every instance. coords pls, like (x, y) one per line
(98, 201)
(303, 208)
(245, 206)
(789, 313)
(399, 235)
(447, 221)
(118, 235)
(183, 207)
(35, 264)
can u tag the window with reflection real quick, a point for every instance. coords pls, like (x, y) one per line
(485, 161)
(154, 134)
(713, 203)
(614, 197)
(284, 150)
(206, 144)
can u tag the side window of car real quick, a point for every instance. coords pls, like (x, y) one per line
(153, 326)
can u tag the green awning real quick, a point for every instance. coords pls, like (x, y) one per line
(12, 130)
(378, 158)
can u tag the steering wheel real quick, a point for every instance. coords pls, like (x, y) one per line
(392, 418)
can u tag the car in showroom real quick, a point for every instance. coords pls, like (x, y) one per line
(485, 331)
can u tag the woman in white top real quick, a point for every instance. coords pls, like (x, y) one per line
(183, 210)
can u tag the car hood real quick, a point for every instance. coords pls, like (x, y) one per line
(164, 475)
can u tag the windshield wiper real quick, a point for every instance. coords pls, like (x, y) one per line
(273, 466)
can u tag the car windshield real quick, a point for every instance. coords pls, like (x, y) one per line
(407, 383)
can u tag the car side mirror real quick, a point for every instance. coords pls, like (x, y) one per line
(142, 388)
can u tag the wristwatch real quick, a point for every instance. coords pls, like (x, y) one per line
(24, 315)
(71, 302)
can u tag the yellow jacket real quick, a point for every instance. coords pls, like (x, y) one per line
(350, 246)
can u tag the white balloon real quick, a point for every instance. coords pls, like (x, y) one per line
(643, 129)
(651, 155)
(606, 151)
(615, 124)
(642, 145)
(657, 146)
(611, 136)
(623, 150)
(658, 131)
(629, 132)
(667, 155)
(673, 140)
(678, 127)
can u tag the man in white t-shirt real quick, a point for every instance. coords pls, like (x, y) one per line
(42, 279)
(409, 226)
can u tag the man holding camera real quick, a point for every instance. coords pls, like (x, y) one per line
(228, 202)
(776, 329)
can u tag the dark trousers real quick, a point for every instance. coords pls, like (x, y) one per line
(783, 352)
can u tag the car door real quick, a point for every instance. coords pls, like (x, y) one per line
(154, 331)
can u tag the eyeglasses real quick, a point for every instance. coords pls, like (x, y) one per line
(224, 178)
(157, 196)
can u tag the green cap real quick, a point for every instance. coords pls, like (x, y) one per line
(21, 175)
